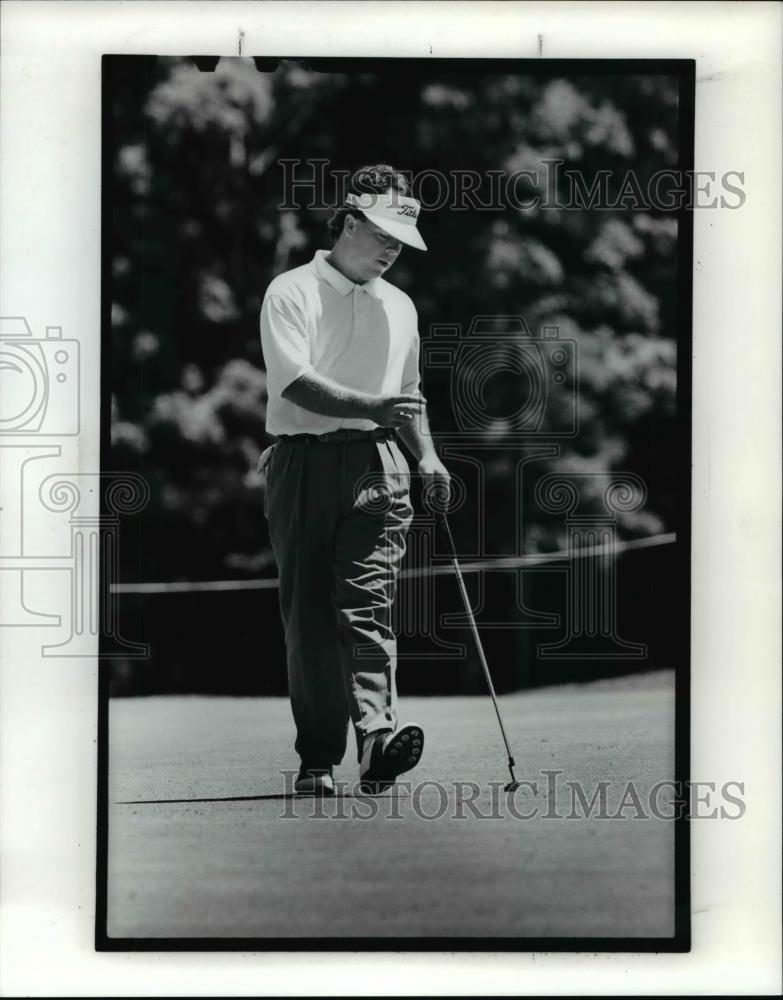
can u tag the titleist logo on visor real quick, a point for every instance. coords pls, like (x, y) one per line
(390, 204)
(396, 214)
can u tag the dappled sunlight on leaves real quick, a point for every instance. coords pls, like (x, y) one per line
(216, 299)
(231, 100)
(199, 234)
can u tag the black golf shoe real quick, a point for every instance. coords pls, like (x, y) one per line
(387, 755)
(314, 781)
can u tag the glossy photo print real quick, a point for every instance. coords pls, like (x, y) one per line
(394, 543)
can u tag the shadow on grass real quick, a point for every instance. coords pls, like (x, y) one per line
(253, 798)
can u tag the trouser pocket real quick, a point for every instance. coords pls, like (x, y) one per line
(380, 486)
(264, 468)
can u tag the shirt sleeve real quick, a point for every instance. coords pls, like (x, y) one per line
(284, 341)
(410, 372)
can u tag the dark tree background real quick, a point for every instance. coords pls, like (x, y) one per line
(197, 235)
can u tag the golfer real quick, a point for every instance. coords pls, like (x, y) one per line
(341, 348)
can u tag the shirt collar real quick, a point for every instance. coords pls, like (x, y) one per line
(338, 281)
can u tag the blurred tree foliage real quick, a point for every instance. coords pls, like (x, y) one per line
(197, 235)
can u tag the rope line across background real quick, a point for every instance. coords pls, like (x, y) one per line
(498, 562)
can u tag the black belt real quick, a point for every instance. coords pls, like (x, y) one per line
(379, 434)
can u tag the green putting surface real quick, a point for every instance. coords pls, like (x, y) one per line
(205, 842)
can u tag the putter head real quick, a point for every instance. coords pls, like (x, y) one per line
(512, 786)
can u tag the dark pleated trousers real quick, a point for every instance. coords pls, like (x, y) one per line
(339, 514)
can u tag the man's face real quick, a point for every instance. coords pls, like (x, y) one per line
(372, 250)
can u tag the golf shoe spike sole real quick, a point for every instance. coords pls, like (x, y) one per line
(399, 754)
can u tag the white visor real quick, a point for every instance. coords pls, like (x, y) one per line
(393, 213)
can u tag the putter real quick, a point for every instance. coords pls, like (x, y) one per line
(513, 784)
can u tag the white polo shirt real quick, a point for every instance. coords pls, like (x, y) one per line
(364, 337)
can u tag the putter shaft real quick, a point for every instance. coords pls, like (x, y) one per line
(477, 638)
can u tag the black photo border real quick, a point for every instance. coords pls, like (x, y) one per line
(680, 941)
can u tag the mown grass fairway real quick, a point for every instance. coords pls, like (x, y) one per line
(204, 842)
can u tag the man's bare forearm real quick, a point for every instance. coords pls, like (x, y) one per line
(322, 395)
(416, 435)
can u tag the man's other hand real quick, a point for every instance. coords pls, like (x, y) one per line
(436, 481)
(396, 411)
